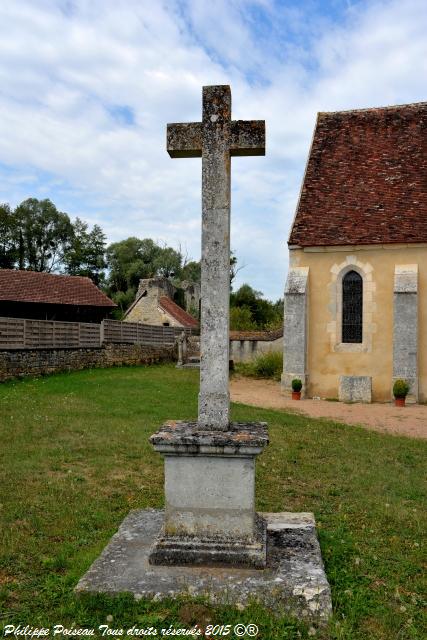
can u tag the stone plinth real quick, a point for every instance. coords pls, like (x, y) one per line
(355, 389)
(293, 580)
(210, 495)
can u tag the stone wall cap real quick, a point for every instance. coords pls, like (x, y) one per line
(243, 437)
(296, 281)
(406, 278)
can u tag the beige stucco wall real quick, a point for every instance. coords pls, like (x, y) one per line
(327, 358)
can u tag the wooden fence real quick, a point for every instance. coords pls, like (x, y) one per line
(20, 333)
(135, 333)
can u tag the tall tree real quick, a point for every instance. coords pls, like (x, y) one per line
(168, 263)
(130, 260)
(191, 271)
(86, 254)
(254, 310)
(42, 235)
(8, 250)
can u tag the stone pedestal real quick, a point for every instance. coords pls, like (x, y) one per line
(355, 389)
(210, 516)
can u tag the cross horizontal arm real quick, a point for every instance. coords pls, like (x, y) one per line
(184, 140)
(247, 138)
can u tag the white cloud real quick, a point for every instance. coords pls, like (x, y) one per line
(68, 68)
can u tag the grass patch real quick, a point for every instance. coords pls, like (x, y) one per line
(76, 458)
(267, 365)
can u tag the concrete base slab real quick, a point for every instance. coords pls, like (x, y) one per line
(294, 579)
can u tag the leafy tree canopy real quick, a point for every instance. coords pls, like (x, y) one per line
(38, 237)
(249, 310)
(42, 235)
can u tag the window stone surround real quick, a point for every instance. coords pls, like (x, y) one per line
(334, 327)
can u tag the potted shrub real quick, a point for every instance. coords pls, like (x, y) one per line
(400, 391)
(296, 389)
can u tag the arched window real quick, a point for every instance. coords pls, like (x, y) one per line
(352, 307)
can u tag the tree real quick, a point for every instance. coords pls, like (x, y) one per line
(130, 260)
(42, 235)
(241, 319)
(168, 263)
(191, 271)
(234, 269)
(8, 252)
(263, 313)
(86, 254)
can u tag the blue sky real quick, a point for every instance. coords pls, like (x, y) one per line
(87, 87)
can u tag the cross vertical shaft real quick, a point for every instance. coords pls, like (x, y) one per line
(215, 139)
(214, 399)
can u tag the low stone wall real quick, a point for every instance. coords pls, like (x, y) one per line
(247, 345)
(35, 362)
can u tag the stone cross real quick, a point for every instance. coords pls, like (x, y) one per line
(215, 140)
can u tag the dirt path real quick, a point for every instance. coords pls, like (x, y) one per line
(409, 421)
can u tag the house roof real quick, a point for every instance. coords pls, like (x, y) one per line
(49, 288)
(181, 316)
(366, 179)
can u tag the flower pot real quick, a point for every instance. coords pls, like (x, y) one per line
(399, 402)
(296, 395)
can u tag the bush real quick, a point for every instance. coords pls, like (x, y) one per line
(241, 319)
(400, 389)
(296, 384)
(268, 365)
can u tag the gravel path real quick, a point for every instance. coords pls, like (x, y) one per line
(408, 421)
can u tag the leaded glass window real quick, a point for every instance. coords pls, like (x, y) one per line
(352, 307)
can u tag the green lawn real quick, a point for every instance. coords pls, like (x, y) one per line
(75, 459)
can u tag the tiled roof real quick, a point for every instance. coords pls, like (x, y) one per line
(263, 336)
(184, 318)
(366, 179)
(49, 288)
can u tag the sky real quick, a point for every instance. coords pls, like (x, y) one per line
(87, 87)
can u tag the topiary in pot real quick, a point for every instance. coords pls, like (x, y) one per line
(296, 389)
(400, 391)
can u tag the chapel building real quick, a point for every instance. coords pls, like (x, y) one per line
(356, 292)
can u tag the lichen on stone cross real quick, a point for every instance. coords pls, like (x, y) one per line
(215, 140)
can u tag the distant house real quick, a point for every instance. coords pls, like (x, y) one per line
(154, 305)
(47, 296)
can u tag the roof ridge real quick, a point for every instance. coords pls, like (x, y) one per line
(384, 108)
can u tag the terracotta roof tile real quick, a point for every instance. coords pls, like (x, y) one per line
(264, 336)
(49, 288)
(177, 312)
(366, 179)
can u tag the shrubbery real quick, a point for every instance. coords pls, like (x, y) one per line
(267, 365)
(400, 389)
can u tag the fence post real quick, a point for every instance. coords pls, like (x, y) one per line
(101, 334)
(25, 333)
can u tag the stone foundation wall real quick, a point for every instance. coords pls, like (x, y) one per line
(29, 362)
